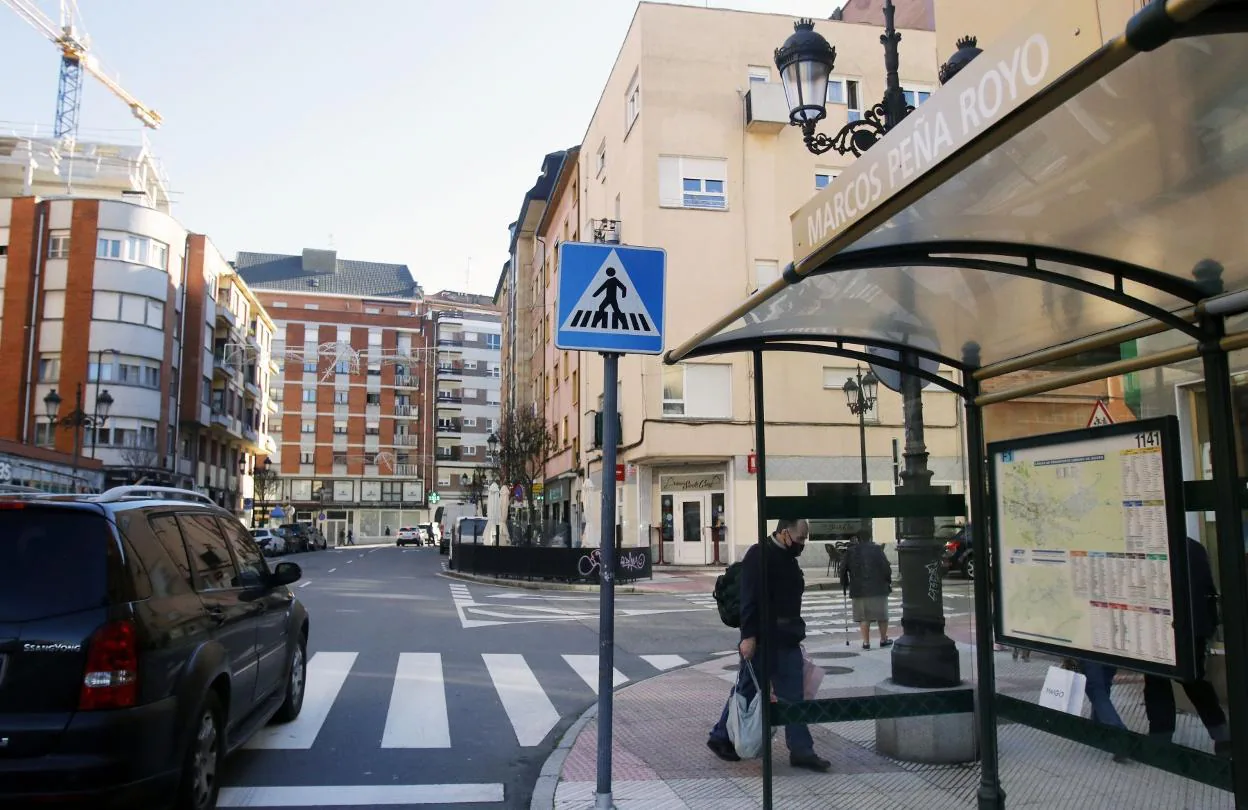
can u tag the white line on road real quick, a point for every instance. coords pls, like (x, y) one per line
(417, 717)
(327, 672)
(359, 795)
(587, 667)
(305, 583)
(350, 561)
(531, 713)
(664, 662)
(332, 570)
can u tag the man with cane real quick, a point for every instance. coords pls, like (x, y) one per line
(868, 578)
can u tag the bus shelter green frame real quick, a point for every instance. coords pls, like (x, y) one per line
(817, 308)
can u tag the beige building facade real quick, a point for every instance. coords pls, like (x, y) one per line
(689, 150)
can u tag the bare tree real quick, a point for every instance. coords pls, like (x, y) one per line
(141, 460)
(266, 486)
(479, 486)
(525, 441)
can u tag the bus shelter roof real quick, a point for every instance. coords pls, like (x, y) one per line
(1113, 194)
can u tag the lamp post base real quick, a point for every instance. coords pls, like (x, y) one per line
(924, 657)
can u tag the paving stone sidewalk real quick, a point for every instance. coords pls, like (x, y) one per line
(661, 761)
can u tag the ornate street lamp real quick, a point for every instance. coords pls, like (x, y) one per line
(77, 419)
(860, 396)
(924, 657)
(491, 444)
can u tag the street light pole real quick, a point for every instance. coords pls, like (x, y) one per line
(860, 394)
(77, 419)
(924, 656)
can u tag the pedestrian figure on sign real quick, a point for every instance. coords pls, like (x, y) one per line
(608, 292)
(868, 576)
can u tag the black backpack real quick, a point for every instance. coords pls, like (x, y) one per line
(727, 595)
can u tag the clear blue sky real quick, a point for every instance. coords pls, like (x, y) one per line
(407, 129)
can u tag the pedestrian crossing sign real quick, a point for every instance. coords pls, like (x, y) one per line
(610, 298)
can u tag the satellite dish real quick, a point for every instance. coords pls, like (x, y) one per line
(890, 378)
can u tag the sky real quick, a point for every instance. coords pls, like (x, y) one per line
(403, 131)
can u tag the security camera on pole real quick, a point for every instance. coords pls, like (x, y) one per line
(610, 301)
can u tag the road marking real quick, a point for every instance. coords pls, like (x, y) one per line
(531, 713)
(587, 667)
(359, 795)
(664, 662)
(327, 672)
(417, 717)
(305, 584)
(350, 561)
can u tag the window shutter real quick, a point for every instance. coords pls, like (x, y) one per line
(708, 390)
(670, 192)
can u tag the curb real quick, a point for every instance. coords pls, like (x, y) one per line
(548, 781)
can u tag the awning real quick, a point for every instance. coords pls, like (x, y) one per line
(1114, 194)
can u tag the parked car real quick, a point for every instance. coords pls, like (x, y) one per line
(270, 542)
(145, 639)
(408, 536)
(959, 556)
(432, 532)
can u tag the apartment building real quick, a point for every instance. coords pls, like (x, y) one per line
(353, 343)
(690, 150)
(468, 398)
(96, 297)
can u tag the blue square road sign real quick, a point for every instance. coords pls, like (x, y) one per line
(610, 298)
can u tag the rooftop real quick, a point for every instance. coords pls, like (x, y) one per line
(322, 272)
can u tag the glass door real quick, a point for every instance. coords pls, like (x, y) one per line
(690, 522)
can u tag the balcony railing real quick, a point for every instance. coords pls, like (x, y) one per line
(449, 454)
(450, 427)
(450, 341)
(250, 434)
(450, 369)
(444, 397)
(406, 440)
(407, 469)
(406, 381)
(402, 410)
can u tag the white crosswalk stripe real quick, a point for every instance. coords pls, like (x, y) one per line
(418, 716)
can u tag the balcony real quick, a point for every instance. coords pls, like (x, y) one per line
(274, 405)
(451, 426)
(406, 381)
(450, 370)
(403, 410)
(451, 341)
(220, 418)
(449, 454)
(252, 389)
(228, 369)
(406, 440)
(269, 444)
(407, 469)
(444, 396)
(249, 433)
(224, 315)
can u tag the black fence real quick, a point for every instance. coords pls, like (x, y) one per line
(548, 563)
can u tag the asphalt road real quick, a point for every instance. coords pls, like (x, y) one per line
(424, 691)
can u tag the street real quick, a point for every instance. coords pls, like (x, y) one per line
(428, 691)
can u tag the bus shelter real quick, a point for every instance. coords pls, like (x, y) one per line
(1058, 202)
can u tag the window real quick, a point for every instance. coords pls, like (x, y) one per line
(494, 370)
(307, 457)
(698, 390)
(133, 309)
(309, 368)
(309, 426)
(470, 449)
(372, 430)
(340, 428)
(915, 94)
(45, 434)
(686, 182)
(54, 304)
(372, 311)
(556, 376)
(208, 552)
(759, 73)
(58, 245)
(108, 248)
(565, 431)
(632, 104)
(823, 178)
(576, 388)
(309, 395)
(470, 365)
(765, 272)
(845, 91)
(170, 573)
(136, 309)
(49, 368)
(342, 367)
(493, 341)
(374, 337)
(600, 162)
(155, 314)
(340, 397)
(373, 398)
(565, 364)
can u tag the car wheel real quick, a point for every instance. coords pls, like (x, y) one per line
(205, 751)
(968, 568)
(296, 682)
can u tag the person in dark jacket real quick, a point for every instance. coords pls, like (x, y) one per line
(1159, 692)
(868, 576)
(785, 631)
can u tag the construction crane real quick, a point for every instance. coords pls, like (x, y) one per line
(76, 58)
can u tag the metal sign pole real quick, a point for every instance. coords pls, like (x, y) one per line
(606, 568)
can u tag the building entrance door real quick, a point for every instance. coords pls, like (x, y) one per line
(331, 529)
(691, 529)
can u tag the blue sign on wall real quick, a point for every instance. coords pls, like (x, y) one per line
(610, 298)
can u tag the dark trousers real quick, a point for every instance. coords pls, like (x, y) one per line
(786, 679)
(1159, 698)
(1099, 687)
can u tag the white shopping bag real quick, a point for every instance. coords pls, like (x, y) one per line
(745, 720)
(1063, 690)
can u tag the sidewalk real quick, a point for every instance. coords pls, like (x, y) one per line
(660, 759)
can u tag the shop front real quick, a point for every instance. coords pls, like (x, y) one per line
(693, 510)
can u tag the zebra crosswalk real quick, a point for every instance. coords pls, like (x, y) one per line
(830, 612)
(418, 716)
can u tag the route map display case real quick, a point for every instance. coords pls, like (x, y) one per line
(1089, 546)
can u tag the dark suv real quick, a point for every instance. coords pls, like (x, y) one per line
(142, 638)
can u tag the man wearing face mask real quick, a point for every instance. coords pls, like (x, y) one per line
(786, 632)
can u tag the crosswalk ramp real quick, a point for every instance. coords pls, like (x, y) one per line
(418, 715)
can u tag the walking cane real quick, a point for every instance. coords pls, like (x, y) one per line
(845, 613)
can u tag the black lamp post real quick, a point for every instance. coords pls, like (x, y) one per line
(491, 444)
(860, 391)
(77, 419)
(924, 657)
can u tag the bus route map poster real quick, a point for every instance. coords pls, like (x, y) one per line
(1089, 557)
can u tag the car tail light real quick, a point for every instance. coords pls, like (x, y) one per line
(952, 545)
(112, 675)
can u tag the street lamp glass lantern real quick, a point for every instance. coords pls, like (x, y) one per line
(851, 393)
(492, 443)
(805, 62)
(52, 404)
(103, 404)
(870, 386)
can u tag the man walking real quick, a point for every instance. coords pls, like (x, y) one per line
(785, 632)
(868, 576)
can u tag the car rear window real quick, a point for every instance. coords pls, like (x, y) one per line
(52, 562)
(473, 527)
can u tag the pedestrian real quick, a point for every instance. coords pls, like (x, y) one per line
(387, 531)
(1159, 692)
(868, 576)
(350, 537)
(785, 632)
(1099, 687)
(342, 537)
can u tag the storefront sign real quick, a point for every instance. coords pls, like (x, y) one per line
(344, 491)
(370, 490)
(704, 482)
(985, 92)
